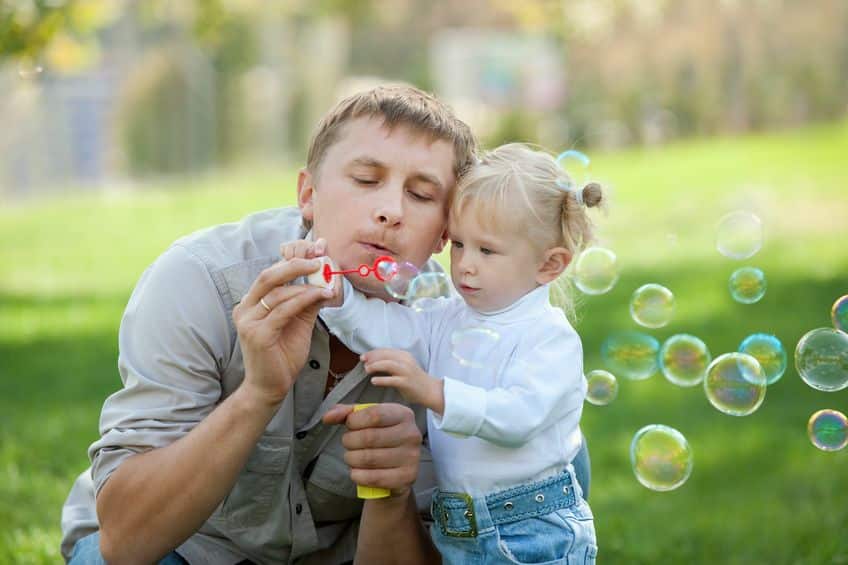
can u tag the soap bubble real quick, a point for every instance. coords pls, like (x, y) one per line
(839, 313)
(661, 457)
(474, 347)
(747, 285)
(828, 430)
(735, 384)
(652, 305)
(740, 235)
(632, 355)
(596, 270)
(821, 358)
(576, 164)
(398, 277)
(684, 359)
(425, 288)
(768, 350)
(602, 387)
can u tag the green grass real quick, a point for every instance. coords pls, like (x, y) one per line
(759, 492)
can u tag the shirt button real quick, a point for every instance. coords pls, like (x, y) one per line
(314, 364)
(298, 508)
(301, 434)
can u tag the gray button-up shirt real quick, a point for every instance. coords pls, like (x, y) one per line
(180, 357)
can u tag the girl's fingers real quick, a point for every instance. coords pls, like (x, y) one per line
(394, 382)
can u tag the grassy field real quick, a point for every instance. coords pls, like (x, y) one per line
(759, 492)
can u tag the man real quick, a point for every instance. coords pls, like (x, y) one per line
(223, 446)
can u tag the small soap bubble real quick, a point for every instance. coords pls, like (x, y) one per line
(652, 305)
(596, 270)
(602, 387)
(684, 360)
(735, 384)
(740, 235)
(426, 288)
(661, 457)
(632, 355)
(576, 165)
(821, 358)
(768, 350)
(839, 313)
(474, 347)
(401, 275)
(828, 430)
(747, 285)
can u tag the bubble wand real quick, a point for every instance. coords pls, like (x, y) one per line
(363, 270)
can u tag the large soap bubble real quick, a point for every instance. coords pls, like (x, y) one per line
(735, 384)
(661, 457)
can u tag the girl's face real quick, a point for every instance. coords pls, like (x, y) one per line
(490, 269)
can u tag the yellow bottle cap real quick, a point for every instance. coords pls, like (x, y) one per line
(364, 492)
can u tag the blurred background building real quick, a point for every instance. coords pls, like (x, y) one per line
(99, 93)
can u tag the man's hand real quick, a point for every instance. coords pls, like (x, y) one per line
(383, 445)
(304, 249)
(404, 374)
(274, 322)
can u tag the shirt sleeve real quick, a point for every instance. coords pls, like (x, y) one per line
(363, 323)
(543, 384)
(173, 342)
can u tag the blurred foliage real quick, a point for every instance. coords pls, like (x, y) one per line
(166, 114)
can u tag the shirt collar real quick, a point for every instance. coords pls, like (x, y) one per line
(527, 306)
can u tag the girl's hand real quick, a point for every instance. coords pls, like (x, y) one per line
(404, 374)
(303, 249)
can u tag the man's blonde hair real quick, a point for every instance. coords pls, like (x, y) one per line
(396, 105)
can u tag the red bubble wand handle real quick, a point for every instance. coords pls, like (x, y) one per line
(362, 271)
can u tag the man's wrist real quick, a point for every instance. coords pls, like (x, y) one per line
(256, 401)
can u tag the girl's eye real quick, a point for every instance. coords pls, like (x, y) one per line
(457, 244)
(486, 251)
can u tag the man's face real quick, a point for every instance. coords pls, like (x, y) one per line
(379, 192)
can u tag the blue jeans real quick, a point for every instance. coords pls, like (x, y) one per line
(541, 522)
(87, 552)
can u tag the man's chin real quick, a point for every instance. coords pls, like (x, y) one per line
(371, 287)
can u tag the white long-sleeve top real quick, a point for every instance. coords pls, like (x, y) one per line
(512, 413)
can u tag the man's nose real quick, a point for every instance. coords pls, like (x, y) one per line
(389, 209)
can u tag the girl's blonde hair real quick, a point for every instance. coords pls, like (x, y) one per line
(523, 190)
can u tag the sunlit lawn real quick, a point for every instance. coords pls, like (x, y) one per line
(759, 492)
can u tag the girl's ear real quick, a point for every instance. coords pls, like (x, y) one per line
(555, 261)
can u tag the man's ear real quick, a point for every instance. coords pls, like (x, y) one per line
(553, 264)
(443, 240)
(305, 194)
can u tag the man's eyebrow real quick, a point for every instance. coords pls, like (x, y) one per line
(368, 162)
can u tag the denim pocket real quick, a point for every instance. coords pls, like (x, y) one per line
(537, 540)
(563, 536)
(249, 502)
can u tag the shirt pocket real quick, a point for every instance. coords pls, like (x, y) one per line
(261, 483)
(331, 492)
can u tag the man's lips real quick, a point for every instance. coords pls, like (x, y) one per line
(377, 248)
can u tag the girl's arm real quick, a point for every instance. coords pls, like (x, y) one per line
(543, 384)
(364, 323)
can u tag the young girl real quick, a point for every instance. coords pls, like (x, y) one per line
(503, 418)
